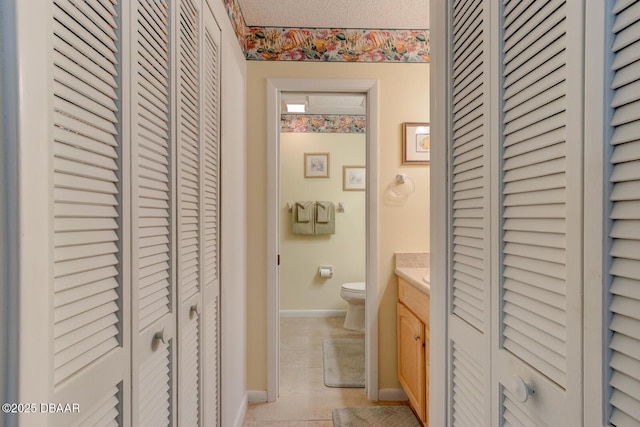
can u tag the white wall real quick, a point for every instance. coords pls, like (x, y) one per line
(233, 236)
(301, 288)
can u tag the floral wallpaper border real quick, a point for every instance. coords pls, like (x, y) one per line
(336, 45)
(237, 21)
(324, 44)
(322, 123)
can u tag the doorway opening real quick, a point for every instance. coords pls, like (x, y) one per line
(275, 209)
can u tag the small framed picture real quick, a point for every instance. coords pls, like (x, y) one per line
(416, 143)
(353, 178)
(316, 165)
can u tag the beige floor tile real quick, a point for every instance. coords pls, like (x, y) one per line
(304, 400)
(276, 424)
(316, 359)
(300, 379)
(296, 342)
(294, 359)
(293, 408)
(316, 343)
(323, 402)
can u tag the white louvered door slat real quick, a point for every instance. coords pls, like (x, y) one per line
(155, 389)
(540, 175)
(469, 196)
(467, 388)
(89, 287)
(210, 220)
(517, 172)
(468, 175)
(624, 384)
(106, 412)
(190, 156)
(530, 175)
(153, 212)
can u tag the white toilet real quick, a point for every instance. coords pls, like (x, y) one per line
(354, 293)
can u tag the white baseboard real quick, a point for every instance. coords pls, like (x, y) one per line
(312, 313)
(392, 394)
(257, 396)
(242, 411)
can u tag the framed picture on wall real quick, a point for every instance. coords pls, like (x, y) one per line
(316, 165)
(353, 178)
(416, 143)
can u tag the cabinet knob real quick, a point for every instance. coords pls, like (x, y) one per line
(521, 390)
(160, 336)
(416, 337)
(194, 311)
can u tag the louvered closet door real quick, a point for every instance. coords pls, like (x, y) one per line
(189, 189)
(469, 206)
(540, 244)
(90, 303)
(210, 129)
(625, 218)
(153, 213)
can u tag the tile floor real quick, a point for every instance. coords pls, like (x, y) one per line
(304, 399)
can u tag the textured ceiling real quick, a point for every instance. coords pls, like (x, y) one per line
(366, 14)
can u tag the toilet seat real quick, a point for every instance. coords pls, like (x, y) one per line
(354, 290)
(354, 293)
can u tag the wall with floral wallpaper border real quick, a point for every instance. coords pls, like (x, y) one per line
(237, 20)
(336, 45)
(325, 44)
(322, 123)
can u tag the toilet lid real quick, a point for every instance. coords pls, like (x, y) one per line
(354, 286)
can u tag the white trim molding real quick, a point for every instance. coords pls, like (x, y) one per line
(439, 106)
(392, 395)
(597, 16)
(312, 313)
(9, 219)
(274, 89)
(257, 396)
(242, 411)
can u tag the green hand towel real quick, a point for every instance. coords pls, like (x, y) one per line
(303, 218)
(325, 218)
(304, 211)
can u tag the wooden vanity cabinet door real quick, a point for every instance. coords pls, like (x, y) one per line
(426, 375)
(411, 359)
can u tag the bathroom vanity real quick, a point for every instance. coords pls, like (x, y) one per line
(413, 332)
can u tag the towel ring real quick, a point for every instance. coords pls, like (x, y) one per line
(401, 187)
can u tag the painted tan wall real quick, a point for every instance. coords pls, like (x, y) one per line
(301, 288)
(403, 97)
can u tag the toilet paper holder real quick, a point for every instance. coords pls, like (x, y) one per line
(325, 271)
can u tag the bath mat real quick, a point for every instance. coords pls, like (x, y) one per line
(343, 362)
(375, 416)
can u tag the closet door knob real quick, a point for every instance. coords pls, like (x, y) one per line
(161, 336)
(521, 390)
(194, 311)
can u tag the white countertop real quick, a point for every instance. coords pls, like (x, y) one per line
(415, 277)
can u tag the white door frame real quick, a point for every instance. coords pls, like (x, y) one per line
(9, 206)
(439, 106)
(274, 89)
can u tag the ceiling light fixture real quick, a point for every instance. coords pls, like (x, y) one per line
(296, 108)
